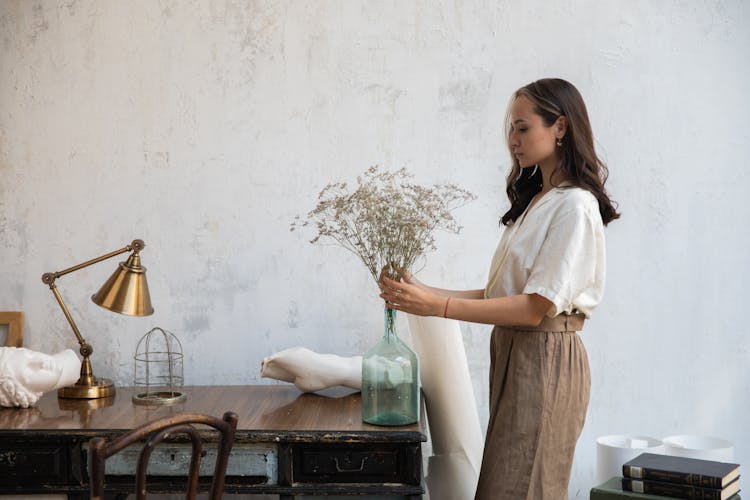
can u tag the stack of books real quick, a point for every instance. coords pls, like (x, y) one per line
(681, 477)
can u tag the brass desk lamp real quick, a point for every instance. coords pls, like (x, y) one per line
(125, 292)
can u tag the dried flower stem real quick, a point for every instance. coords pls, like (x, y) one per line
(386, 220)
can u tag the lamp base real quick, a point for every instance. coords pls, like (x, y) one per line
(99, 388)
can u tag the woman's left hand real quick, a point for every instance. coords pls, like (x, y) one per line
(406, 297)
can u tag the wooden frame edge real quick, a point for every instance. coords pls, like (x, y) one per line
(14, 320)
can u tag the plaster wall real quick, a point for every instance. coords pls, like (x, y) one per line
(204, 127)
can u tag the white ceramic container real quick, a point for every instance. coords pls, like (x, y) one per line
(614, 450)
(703, 447)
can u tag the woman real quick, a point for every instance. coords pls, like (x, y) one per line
(546, 278)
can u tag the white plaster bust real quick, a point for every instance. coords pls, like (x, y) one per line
(25, 374)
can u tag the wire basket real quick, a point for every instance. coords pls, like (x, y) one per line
(158, 376)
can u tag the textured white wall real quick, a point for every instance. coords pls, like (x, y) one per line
(204, 127)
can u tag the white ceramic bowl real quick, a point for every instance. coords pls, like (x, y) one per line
(703, 447)
(614, 450)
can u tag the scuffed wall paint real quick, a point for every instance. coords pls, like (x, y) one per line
(204, 127)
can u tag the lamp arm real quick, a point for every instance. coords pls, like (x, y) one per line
(135, 245)
(49, 279)
(73, 325)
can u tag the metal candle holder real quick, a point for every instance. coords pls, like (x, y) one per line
(158, 369)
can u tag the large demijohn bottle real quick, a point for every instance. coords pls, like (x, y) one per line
(390, 380)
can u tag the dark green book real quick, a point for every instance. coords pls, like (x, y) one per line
(678, 490)
(692, 471)
(612, 490)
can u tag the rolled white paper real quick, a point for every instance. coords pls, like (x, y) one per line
(457, 440)
(614, 450)
(451, 477)
(702, 447)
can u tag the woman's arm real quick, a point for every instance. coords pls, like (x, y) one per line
(456, 294)
(515, 310)
(442, 292)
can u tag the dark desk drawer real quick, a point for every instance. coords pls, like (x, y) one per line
(33, 462)
(355, 463)
(246, 461)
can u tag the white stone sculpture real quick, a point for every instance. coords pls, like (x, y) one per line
(310, 371)
(457, 440)
(25, 374)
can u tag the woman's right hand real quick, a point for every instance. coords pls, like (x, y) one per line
(402, 273)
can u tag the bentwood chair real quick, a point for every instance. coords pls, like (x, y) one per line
(157, 431)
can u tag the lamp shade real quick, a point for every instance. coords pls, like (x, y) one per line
(126, 291)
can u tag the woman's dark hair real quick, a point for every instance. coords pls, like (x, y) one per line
(552, 98)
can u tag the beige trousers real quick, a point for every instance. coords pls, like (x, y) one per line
(539, 393)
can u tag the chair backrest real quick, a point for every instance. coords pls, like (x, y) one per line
(158, 430)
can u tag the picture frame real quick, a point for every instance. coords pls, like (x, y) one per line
(14, 320)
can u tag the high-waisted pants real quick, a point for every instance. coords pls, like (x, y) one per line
(539, 393)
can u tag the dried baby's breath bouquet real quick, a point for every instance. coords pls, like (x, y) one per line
(386, 220)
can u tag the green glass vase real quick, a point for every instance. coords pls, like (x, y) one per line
(390, 380)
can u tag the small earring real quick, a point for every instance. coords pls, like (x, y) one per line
(559, 142)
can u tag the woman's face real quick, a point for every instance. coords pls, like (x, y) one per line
(530, 140)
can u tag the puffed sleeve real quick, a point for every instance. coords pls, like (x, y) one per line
(569, 269)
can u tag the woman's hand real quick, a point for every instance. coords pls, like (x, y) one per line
(402, 273)
(411, 298)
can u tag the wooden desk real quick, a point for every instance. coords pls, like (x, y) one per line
(287, 444)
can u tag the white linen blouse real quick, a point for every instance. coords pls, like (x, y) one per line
(554, 249)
